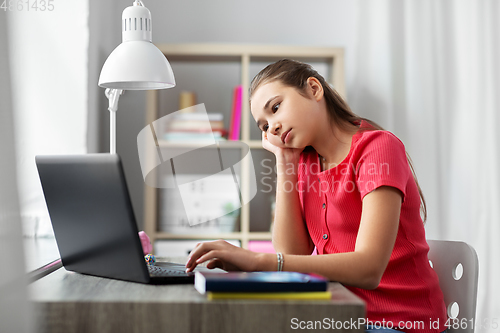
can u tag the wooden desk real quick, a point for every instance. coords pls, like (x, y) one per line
(71, 302)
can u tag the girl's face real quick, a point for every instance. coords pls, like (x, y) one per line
(288, 119)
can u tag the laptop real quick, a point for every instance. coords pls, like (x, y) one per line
(93, 220)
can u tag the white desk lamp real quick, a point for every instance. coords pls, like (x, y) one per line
(135, 64)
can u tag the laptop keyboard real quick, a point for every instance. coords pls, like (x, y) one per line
(156, 271)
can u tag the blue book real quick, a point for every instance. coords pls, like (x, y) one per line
(258, 282)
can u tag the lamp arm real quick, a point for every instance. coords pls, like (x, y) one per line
(113, 96)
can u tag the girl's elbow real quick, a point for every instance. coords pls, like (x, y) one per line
(371, 283)
(370, 272)
(371, 280)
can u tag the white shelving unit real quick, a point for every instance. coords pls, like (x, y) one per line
(331, 57)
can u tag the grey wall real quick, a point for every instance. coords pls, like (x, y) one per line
(293, 22)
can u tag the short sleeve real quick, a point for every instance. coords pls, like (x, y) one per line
(382, 162)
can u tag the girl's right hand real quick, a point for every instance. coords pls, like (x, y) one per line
(288, 155)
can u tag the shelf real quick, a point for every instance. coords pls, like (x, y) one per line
(259, 235)
(254, 144)
(228, 235)
(262, 52)
(233, 64)
(266, 51)
(199, 144)
(222, 143)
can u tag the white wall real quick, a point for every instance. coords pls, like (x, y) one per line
(48, 59)
(15, 311)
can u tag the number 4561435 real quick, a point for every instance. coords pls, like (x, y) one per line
(27, 5)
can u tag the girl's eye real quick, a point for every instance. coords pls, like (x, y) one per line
(265, 128)
(275, 107)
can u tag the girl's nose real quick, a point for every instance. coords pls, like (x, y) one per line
(274, 128)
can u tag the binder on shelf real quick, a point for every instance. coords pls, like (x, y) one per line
(235, 123)
(262, 246)
(259, 282)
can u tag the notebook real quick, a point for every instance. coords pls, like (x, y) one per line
(259, 282)
(286, 295)
(93, 220)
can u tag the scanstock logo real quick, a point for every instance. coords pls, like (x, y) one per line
(195, 166)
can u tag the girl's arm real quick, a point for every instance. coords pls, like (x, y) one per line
(290, 235)
(361, 268)
(365, 266)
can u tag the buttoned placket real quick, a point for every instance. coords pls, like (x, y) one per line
(324, 212)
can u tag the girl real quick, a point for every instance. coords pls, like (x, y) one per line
(346, 188)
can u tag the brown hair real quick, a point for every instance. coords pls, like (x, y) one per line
(294, 73)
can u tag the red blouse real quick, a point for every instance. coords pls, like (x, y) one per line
(408, 297)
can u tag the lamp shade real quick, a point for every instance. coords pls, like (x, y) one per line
(136, 64)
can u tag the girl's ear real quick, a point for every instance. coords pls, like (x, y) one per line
(315, 88)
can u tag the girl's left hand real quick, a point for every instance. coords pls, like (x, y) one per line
(223, 255)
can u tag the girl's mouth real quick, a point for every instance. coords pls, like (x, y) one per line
(284, 136)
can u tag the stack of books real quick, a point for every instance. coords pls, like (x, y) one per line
(193, 126)
(262, 285)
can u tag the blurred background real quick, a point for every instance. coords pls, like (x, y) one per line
(425, 70)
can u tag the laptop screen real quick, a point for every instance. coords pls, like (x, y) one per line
(92, 216)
